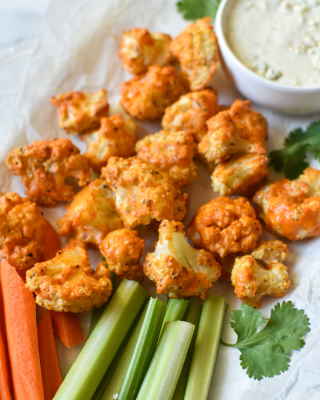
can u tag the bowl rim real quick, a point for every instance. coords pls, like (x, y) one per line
(247, 71)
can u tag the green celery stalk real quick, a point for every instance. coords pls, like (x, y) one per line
(206, 348)
(167, 362)
(193, 316)
(87, 371)
(175, 311)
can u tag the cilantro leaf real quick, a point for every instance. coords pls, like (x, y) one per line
(194, 9)
(265, 353)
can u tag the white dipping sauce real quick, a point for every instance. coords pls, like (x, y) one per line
(277, 39)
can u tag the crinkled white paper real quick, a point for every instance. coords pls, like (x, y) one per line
(78, 50)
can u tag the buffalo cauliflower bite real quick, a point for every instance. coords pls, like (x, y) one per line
(22, 228)
(196, 48)
(68, 283)
(177, 269)
(91, 214)
(225, 226)
(292, 208)
(116, 137)
(171, 152)
(191, 112)
(252, 281)
(80, 112)
(139, 49)
(44, 166)
(146, 96)
(123, 251)
(144, 194)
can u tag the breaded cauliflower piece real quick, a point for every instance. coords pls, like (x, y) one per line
(252, 281)
(68, 283)
(116, 137)
(171, 152)
(225, 226)
(227, 265)
(146, 96)
(191, 112)
(123, 250)
(144, 194)
(44, 166)
(139, 49)
(22, 228)
(197, 50)
(291, 208)
(91, 215)
(235, 131)
(176, 268)
(242, 175)
(80, 112)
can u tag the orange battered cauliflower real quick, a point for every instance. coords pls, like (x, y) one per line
(177, 269)
(291, 208)
(139, 49)
(68, 283)
(146, 96)
(144, 194)
(44, 166)
(123, 251)
(225, 226)
(197, 50)
(80, 112)
(171, 152)
(91, 214)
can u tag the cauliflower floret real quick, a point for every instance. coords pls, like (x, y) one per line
(225, 226)
(116, 137)
(146, 96)
(291, 208)
(252, 281)
(177, 269)
(191, 112)
(139, 49)
(43, 167)
(143, 192)
(80, 112)
(171, 152)
(68, 283)
(123, 250)
(91, 214)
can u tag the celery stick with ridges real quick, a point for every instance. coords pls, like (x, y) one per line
(87, 371)
(175, 311)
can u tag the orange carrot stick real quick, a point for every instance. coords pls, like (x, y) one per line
(51, 243)
(50, 369)
(21, 328)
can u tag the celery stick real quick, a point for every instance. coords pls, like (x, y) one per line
(193, 316)
(206, 348)
(175, 311)
(167, 362)
(98, 352)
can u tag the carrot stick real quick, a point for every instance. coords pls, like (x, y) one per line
(50, 369)
(21, 328)
(51, 243)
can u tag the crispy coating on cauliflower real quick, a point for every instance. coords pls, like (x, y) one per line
(21, 231)
(68, 283)
(123, 250)
(80, 112)
(146, 96)
(116, 137)
(176, 268)
(91, 215)
(225, 226)
(144, 194)
(191, 112)
(252, 281)
(171, 152)
(291, 208)
(44, 166)
(139, 49)
(197, 50)
(242, 175)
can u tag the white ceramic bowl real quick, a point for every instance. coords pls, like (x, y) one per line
(286, 99)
